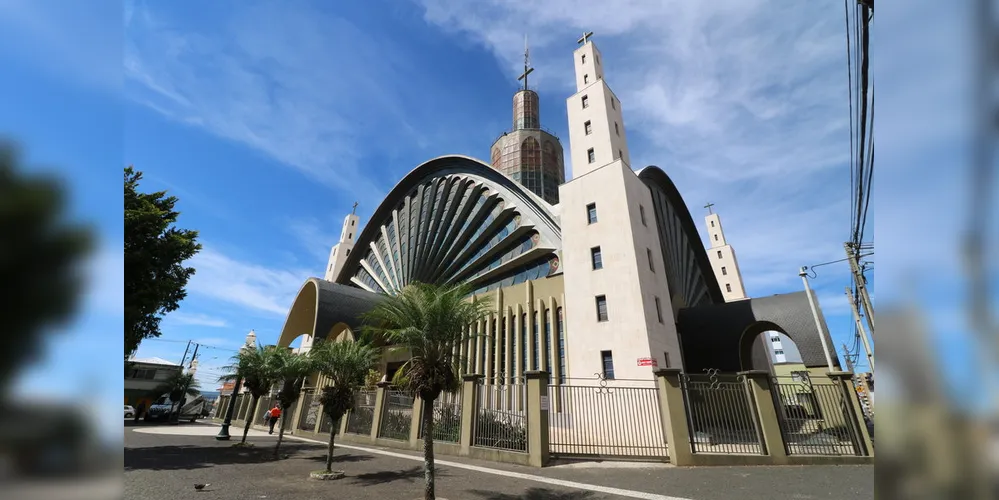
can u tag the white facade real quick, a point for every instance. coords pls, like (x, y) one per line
(596, 125)
(723, 261)
(340, 251)
(773, 340)
(148, 374)
(610, 245)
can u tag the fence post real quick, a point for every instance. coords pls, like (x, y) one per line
(766, 414)
(674, 415)
(469, 409)
(380, 397)
(855, 413)
(414, 425)
(537, 417)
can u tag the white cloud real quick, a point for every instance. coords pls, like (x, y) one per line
(105, 275)
(250, 286)
(195, 319)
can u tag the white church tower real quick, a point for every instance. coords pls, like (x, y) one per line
(618, 308)
(340, 251)
(722, 257)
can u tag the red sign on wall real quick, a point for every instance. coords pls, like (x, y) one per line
(647, 362)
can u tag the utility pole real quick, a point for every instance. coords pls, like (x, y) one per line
(860, 328)
(187, 384)
(846, 356)
(184, 359)
(815, 315)
(852, 252)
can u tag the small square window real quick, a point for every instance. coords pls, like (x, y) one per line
(586, 78)
(601, 307)
(587, 128)
(728, 287)
(591, 213)
(616, 129)
(590, 155)
(659, 310)
(607, 364)
(586, 101)
(641, 213)
(596, 257)
(648, 252)
(719, 254)
(724, 271)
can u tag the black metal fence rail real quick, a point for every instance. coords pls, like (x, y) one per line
(397, 418)
(815, 417)
(360, 419)
(496, 425)
(720, 414)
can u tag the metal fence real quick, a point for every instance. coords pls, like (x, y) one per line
(447, 418)
(359, 419)
(720, 414)
(397, 418)
(600, 418)
(310, 411)
(815, 417)
(496, 424)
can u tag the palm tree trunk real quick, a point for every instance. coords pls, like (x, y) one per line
(329, 449)
(250, 415)
(428, 450)
(284, 415)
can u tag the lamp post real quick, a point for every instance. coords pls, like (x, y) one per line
(223, 435)
(815, 315)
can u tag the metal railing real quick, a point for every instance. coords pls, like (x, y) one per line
(720, 414)
(360, 419)
(815, 417)
(397, 416)
(447, 418)
(499, 428)
(599, 418)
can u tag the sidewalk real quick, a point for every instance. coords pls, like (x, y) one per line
(165, 462)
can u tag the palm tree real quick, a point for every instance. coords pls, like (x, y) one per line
(177, 387)
(429, 322)
(290, 370)
(253, 365)
(345, 365)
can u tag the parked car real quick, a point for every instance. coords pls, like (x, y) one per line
(129, 411)
(161, 408)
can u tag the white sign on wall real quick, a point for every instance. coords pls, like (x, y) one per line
(544, 403)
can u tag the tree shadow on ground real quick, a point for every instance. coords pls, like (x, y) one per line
(410, 475)
(536, 494)
(343, 458)
(186, 457)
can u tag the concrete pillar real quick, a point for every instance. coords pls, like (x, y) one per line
(414, 425)
(376, 420)
(855, 413)
(537, 418)
(469, 409)
(767, 421)
(674, 416)
(297, 415)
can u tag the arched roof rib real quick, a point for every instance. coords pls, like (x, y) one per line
(445, 221)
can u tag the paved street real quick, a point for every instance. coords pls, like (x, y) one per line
(164, 462)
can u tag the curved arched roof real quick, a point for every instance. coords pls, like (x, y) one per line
(321, 305)
(455, 219)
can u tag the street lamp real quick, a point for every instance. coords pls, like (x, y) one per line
(223, 435)
(815, 315)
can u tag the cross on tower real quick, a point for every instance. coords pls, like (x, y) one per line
(527, 64)
(583, 39)
(708, 206)
(352, 210)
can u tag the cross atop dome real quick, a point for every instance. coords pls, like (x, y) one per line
(527, 64)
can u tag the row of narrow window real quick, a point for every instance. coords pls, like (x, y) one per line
(476, 359)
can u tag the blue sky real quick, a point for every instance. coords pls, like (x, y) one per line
(270, 119)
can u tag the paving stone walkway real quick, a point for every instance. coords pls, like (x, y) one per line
(164, 462)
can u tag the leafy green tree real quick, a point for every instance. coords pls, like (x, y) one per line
(290, 370)
(254, 366)
(428, 321)
(346, 366)
(155, 250)
(40, 259)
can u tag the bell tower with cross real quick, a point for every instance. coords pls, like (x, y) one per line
(340, 251)
(722, 257)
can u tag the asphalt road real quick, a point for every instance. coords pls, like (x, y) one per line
(162, 466)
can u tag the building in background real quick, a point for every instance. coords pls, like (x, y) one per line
(144, 376)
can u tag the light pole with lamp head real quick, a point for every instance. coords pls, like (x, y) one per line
(223, 435)
(815, 315)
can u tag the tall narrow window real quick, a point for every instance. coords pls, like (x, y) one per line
(583, 58)
(591, 213)
(616, 129)
(712, 223)
(548, 342)
(596, 58)
(641, 212)
(601, 308)
(590, 155)
(523, 343)
(502, 351)
(607, 363)
(535, 334)
(587, 127)
(648, 253)
(560, 326)
(620, 154)
(659, 310)
(716, 237)
(596, 258)
(666, 359)
(586, 78)
(724, 271)
(728, 287)
(586, 101)
(719, 254)
(613, 104)
(348, 253)
(349, 236)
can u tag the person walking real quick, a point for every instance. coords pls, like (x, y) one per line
(272, 417)
(139, 410)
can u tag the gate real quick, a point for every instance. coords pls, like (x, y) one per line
(720, 413)
(593, 418)
(816, 418)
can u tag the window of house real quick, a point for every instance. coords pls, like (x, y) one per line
(586, 101)
(586, 78)
(607, 362)
(659, 310)
(587, 128)
(641, 213)
(728, 287)
(648, 253)
(775, 339)
(616, 129)
(597, 258)
(591, 213)
(779, 352)
(601, 308)
(719, 254)
(583, 59)
(590, 155)
(724, 271)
